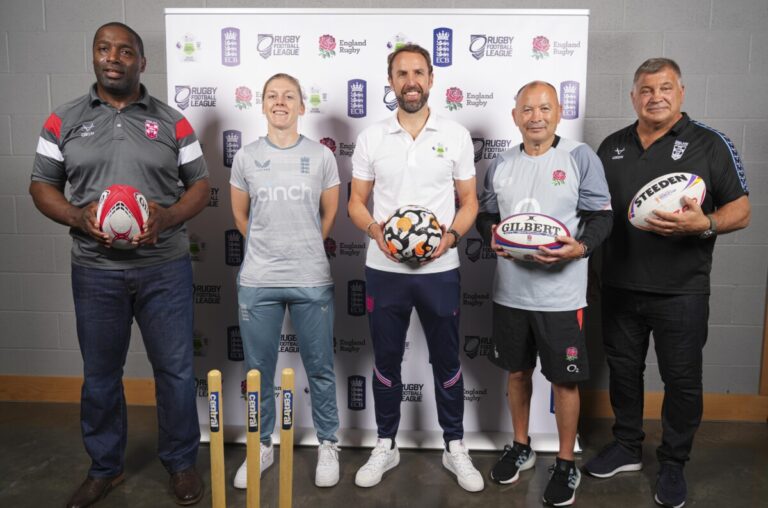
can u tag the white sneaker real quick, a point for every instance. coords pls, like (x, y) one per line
(383, 458)
(456, 460)
(267, 453)
(327, 471)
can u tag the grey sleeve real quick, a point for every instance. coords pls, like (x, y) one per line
(330, 169)
(593, 188)
(237, 176)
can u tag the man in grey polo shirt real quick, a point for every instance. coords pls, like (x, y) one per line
(119, 134)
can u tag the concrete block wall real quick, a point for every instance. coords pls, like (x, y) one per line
(45, 61)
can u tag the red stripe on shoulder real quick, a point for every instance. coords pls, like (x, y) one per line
(53, 125)
(183, 129)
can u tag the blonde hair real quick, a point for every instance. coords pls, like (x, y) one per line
(288, 77)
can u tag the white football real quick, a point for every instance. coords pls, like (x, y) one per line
(522, 234)
(665, 193)
(121, 214)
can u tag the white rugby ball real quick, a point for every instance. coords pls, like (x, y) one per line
(665, 193)
(522, 234)
(121, 214)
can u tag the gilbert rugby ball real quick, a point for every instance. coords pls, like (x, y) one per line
(665, 193)
(121, 214)
(522, 234)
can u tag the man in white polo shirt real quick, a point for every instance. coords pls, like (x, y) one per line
(415, 158)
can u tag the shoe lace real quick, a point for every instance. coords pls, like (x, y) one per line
(463, 462)
(512, 455)
(563, 477)
(328, 453)
(379, 457)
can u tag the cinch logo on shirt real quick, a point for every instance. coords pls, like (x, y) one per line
(281, 193)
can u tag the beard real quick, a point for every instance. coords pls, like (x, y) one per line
(414, 106)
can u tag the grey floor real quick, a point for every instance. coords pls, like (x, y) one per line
(42, 461)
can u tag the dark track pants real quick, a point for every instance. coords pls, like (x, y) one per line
(390, 299)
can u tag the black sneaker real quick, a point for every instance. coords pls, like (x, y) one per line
(563, 482)
(516, 458)
(671, 489)
(613, 459)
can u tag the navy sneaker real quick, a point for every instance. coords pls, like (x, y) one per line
(563, 482)
(613, 459)
(516, 458)
(671, 489)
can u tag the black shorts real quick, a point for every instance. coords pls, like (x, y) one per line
(557, 337)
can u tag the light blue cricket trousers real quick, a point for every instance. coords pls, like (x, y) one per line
(261, 320)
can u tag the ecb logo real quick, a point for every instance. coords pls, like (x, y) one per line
(356, 298)
(569, 99)
(234, 344)
(357, 98)
(232, 141)
(442, 47)
(233, 247)
(230, 46)
(356, 393)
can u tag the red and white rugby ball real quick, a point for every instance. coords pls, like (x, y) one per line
(522, 234)
(665, 193)
(121, 214)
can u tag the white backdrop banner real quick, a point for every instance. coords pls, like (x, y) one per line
(218, 60)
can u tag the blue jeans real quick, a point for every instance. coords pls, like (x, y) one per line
(261, 320)
(106, 301)
(679, 326)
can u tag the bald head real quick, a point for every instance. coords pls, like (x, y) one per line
(537, 114)
(535, 84)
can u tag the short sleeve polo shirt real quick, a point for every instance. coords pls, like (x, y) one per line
(411, 171)
(147, 145)
(645, 261)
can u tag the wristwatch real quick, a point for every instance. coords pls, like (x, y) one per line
(457, 237)
(712, 230)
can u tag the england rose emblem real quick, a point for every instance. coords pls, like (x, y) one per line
(327, 46)
(243, 97)
(558, 177)
(330, 143)
(453, 98)
(540, 47)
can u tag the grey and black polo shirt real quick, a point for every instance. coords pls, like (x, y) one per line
(562, 181)
(645, 261)
(148, 145)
